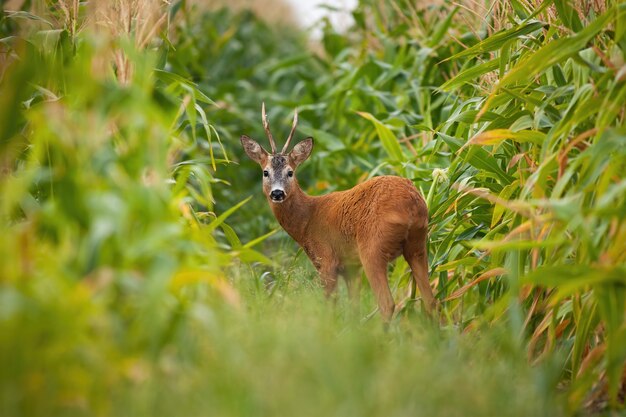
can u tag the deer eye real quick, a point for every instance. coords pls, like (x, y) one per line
(290, 173)
(266, 174)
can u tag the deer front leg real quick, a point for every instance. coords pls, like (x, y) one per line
(329, 280)
(328, 268)
(352, 277)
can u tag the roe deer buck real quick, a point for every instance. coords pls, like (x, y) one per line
(374, 222)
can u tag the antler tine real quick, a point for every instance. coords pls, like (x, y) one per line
(293, 130)
(266, 126)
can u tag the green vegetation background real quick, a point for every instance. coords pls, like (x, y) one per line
(143, 274)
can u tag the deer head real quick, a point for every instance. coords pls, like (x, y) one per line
(279, 168)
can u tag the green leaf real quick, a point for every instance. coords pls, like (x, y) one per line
(222, 217)
(387, 138)
(469, 74)
(497, 40)
(250, 255)
(499, 245)
(557, 51)
(442, 28)
(477, 157)
(328, 140)
(587, 321)
(496, 136)
(193, 88)
(505, 194)
(569, 279)
(260, 239)
(568, 14)
(231, 236)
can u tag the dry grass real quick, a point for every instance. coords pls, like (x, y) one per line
(118, 21)
(476, 15)
(271, 11)
(13, 4)
(136, 20)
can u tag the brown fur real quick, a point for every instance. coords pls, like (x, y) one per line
(371, 224)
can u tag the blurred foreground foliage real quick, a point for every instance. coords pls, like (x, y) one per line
(107, 212)
(122, 290)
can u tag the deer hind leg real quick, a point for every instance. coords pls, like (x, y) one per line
(352, 277)
(416, 255)
(375, 266)
(328, 273)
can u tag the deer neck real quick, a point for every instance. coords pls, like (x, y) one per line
(294, 213)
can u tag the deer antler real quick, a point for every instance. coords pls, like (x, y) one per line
(293, 129)
(266, 126)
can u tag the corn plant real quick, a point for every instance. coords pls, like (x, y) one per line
(509, 116)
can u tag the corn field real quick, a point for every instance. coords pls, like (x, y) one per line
(142, 270)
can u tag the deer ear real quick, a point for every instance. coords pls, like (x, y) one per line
(253, 149)
(301, 151)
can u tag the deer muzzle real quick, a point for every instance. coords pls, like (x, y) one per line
(277, 195)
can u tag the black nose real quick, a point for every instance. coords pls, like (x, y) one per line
(277, 195)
